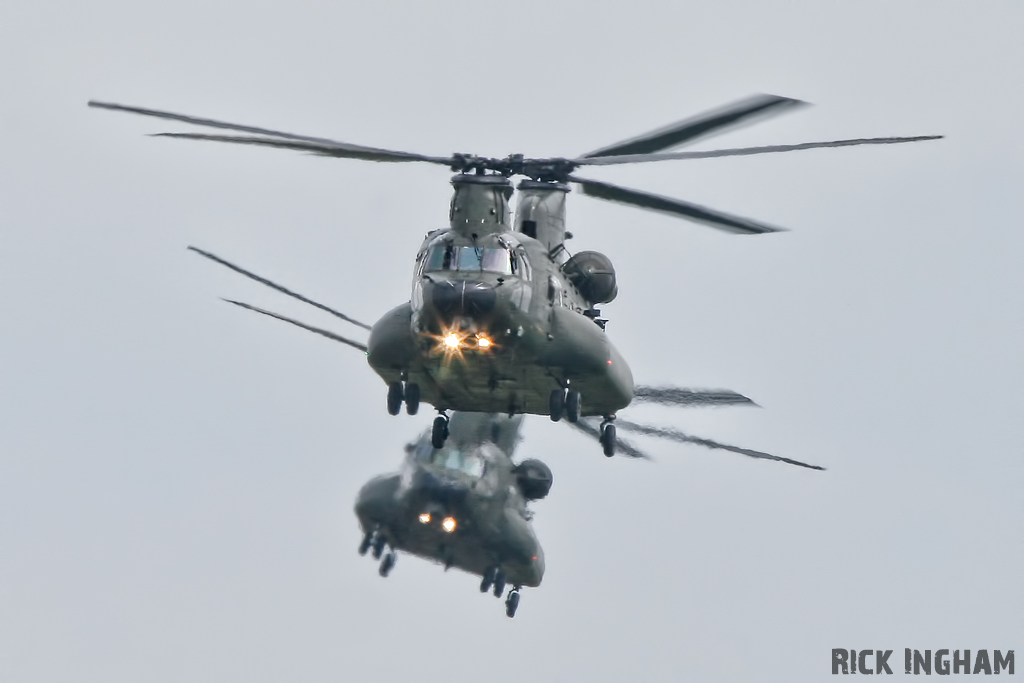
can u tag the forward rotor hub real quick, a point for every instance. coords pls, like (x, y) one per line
(544, 170)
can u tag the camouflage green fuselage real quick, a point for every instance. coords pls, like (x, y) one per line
(539, 333)
(492, 522)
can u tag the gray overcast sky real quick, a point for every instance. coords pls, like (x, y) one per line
(177, 476)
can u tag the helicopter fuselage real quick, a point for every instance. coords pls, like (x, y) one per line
(494, 323)
(459, 505)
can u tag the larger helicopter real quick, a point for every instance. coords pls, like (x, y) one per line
(663, 395)
(500, 318)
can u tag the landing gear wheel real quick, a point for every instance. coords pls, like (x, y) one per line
(365, 544)
(378, 546)
(608, 439)
(512, 603)
(387, 564)
(412, 398)
(395, 398)
(556, 404)
(572, 406)
(488, 580)
(499, 583)
(439, 432)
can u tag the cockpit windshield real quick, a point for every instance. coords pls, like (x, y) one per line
(448, 257)
(452, 458)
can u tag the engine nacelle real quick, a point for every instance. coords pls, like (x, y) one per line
(592, 273)
(534, 479)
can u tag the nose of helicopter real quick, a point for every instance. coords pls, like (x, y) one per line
(463, 298)
(447, 491)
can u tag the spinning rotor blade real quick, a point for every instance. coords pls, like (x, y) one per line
(278, 287)
(325, 148)
(711, 122)
(745, 151)
(317, 330)
(678, 396)
(209, 123)
(676, 435)
(313, 144)
(620, 446)
(675, 207)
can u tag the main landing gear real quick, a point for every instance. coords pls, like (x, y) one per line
(439, 431)
(564, 402)
(512, 602)
(607, 436)
(494, 578)
(403, 392)
(375, 540)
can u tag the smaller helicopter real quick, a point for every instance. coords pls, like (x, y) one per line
(463, 505)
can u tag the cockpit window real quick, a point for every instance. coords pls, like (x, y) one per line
(496, 261)
(447, 257)
(436, 258)
(455, 460)
(470, 258)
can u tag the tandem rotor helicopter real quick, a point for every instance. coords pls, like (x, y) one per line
(464, 504)
(500, 318)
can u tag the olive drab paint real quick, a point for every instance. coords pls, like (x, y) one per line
(542, 334)
(473, 482)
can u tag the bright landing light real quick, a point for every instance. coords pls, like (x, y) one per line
(448, 524)
(425, 518)
(483, 342)
(452, 341)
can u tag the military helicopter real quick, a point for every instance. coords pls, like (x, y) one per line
(500, 318)
(663, 395)
(463, 505)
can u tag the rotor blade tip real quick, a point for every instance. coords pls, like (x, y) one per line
(791, 101)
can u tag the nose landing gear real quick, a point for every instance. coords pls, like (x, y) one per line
(564, 402)
(572, 406)
(403, 392)
(375, 541)
(493, 577)
(388, 563)
(364, 545)
(396, 394)
(412, 398)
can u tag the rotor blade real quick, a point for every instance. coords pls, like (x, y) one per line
(620, 445)
(209, 123)
(676, 435)
(327, 149)
(317, 330)
(745, 151)
(278, 287)
(357, 151)
(678, 396)
(711, 122)
(675, 207)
